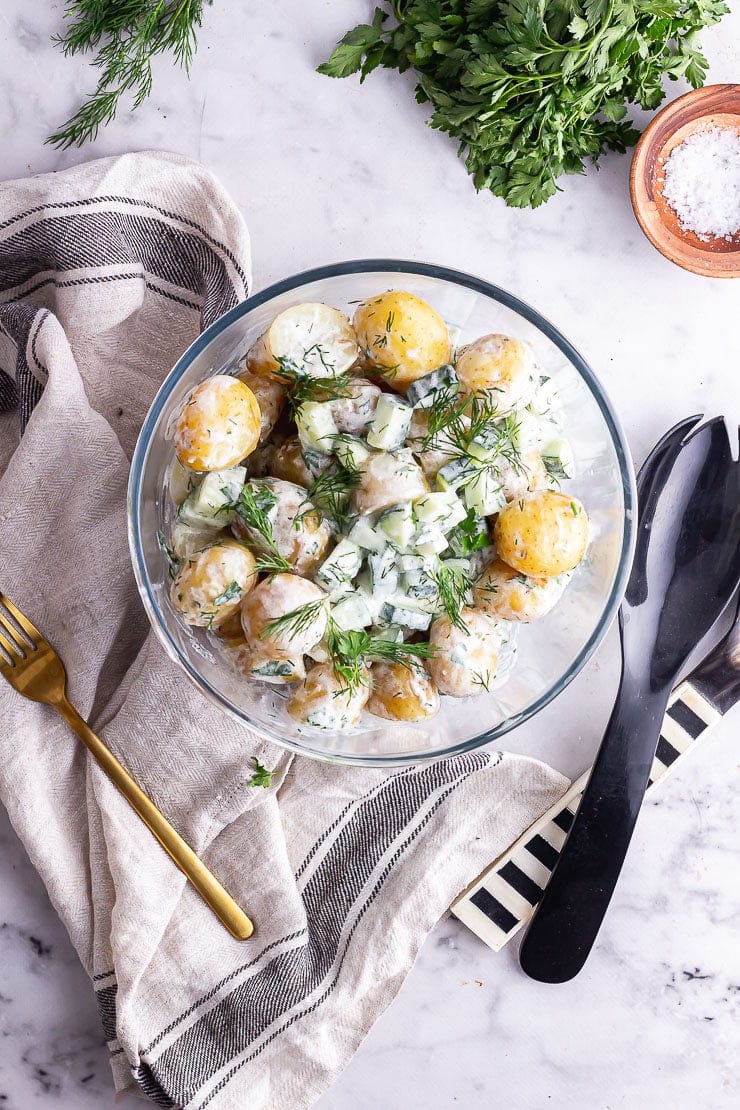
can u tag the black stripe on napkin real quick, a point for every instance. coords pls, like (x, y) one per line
(494, 910)
(688, 720)
(273, 996)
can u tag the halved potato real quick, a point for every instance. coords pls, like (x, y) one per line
(386, 478)
(311, 338)
(403, 693)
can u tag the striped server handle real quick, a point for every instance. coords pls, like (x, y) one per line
(505, 896)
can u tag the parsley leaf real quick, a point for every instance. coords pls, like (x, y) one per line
(261, 776)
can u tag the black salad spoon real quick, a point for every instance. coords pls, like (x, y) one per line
(685, 572)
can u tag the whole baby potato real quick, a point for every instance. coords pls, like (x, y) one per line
(324, 700)
(385, 478)
(299, 532)
(464, 659)
(510, 595)
(209, 588)
(500, 366)
(301, 610)
(219, 425)
(270, 398)
(543, 533)
(402, 337)
(402, 692)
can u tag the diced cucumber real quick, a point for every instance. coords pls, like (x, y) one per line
(454, 474)
(316, 427)
(484, 494)
(407, 613)
(207, 505)
(182, 481)
(383, 572)
(351, 451)
(391, 423)
(186, 541)
(352, 613)
(366, 535)
(430, 541)
(420, 584)
(342, 565)
(274, 668)
(443, 508)
(390, 632)
(409, 563)
(459, 566)
(421, 392)
(546, 398)
(532, 432)
(557, 457)
(316, 461)
(398, 524)
(340, 591)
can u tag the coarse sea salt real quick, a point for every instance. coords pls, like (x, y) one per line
(702, 183)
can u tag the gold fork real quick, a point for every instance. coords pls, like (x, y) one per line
(33, 668)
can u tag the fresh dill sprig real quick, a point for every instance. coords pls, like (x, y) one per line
(352, 651)
(261, 776)
(555, 468)
(454, 588)
(295, 622)
(301, 387)
(127, 35)
(331, 491)
(173, 563)
(253, 506)
(472, 427)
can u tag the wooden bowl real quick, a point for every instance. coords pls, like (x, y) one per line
(714, 104)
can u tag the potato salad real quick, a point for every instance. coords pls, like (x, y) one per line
(365, 513)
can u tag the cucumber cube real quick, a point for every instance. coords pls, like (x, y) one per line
(207, 506)
(391, 423)
(443, 508)
(421, 393)
(398, 524)
(341, 566)
(383, 572)
(430, 541)
(316, 427)
(351, 451)
(367, 536)
(483, 494)
(351, 613)
(557, 457)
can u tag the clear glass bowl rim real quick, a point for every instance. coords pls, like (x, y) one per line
(478, 285)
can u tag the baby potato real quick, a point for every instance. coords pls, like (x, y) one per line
(324, 700)
(219, 426)
(386, 478)
(209, 588)
(353, 413)
(432, 458)
(270, 398)
(402, 336)
(299, 531)
(311, 338)
(280, 597)
(499, 365)
(464, 660)
(287, 462)
(402, 693)
(543, 533)
(503, 592)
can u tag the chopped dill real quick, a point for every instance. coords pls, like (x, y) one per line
(253, 506)
(453, 587)
(295, 622)
(173, 563)
(301, 387)
(330, 492)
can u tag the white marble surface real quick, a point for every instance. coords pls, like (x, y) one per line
(325, 171)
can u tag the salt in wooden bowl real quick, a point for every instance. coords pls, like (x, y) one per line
(712, 106)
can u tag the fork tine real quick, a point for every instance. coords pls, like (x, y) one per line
(30, 629)
(10, 648)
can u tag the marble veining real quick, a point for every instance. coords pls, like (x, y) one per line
(326, 171)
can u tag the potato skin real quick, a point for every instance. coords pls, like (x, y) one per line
(294, 335)
(299, 531)
(543, 534)
(501, 365)
(208, 575)
(324, 701)
(464, 660)
(353, 413)
(402, 693)
(287, 462)
(387, 478)
(270, 398)
(402, 337)
(507, 594)
(219, 425)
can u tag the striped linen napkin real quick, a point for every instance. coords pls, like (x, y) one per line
(107, 272)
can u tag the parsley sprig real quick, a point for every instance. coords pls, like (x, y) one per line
(352, 651)
(261, 776)
(532, 89)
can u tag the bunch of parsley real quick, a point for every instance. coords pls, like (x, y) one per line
(533, 88)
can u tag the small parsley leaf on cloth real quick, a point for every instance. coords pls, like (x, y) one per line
(261, 776)
(533, 89)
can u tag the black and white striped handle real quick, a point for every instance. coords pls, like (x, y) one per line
(505, 896)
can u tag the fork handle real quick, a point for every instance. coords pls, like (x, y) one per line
(207, 885)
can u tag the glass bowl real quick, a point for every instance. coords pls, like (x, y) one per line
(550, 652)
